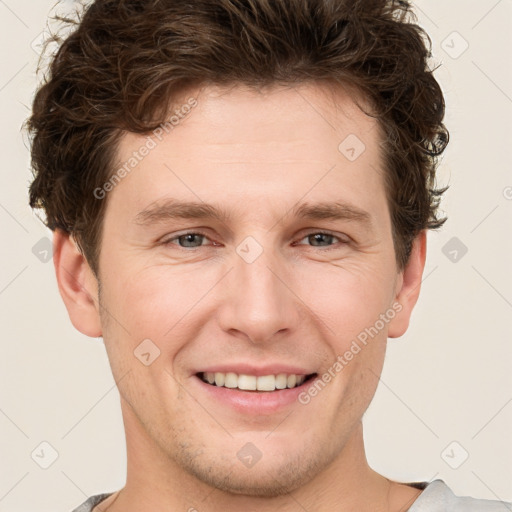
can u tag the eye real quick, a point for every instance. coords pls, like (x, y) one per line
(187, 240)
(326, 237)
(194, 239)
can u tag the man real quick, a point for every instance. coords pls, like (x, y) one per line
(240, 193)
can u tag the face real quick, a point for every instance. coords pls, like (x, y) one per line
(266, 285)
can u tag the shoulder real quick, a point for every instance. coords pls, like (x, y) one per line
(91, 502)
(438, 497)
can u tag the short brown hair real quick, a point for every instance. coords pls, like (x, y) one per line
(122, 65)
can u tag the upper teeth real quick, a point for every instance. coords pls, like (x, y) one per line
(253, 383)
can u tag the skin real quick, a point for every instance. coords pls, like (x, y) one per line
(257, 154)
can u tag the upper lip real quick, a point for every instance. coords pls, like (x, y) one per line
(258, 371)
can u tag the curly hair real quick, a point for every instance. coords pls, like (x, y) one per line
(121, 67)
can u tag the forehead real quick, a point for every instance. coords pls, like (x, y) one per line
(317, 110)
(278, 113)
(248, 144)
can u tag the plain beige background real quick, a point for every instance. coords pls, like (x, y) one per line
(446, 390)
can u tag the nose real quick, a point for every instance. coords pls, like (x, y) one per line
(259, 301)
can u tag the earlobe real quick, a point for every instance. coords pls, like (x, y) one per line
(408, 287)
(78, 286)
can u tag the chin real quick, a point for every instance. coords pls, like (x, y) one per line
(265, 479)
(264, 486)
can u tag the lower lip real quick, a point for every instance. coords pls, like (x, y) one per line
(253, 402)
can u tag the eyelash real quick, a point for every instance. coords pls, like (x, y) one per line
(327, 248)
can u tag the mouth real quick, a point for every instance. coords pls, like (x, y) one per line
(252, 383)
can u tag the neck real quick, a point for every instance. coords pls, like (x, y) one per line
(155, 482)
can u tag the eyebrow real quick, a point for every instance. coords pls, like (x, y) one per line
(174, 209)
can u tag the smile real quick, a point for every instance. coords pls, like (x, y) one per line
(245, 382)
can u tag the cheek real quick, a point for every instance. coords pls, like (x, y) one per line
(347, 298)
(149, 302)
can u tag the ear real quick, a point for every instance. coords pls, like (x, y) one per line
(408, 286)
(78, 286)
